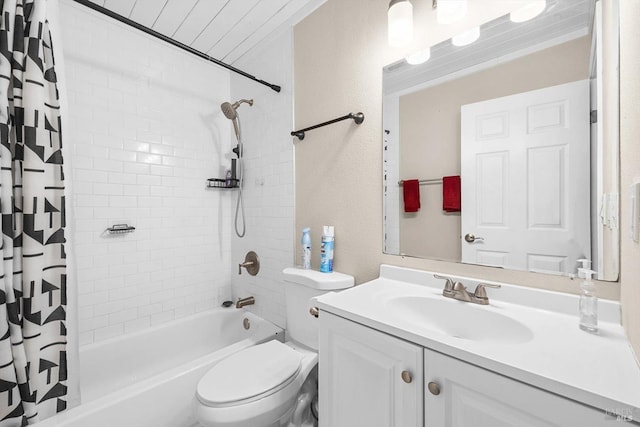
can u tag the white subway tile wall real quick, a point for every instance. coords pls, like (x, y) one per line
(144, 133)
(268, 190)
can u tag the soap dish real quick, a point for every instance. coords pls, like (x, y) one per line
(121, 228)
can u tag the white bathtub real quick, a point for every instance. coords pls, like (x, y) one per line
(148, 379)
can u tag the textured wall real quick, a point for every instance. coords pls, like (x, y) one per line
(339, 52)
(630, 163)
(145, 131)
(268, 190)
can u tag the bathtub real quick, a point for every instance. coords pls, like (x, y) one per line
(149, 378)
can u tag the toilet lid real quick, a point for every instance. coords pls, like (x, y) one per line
(248, 373)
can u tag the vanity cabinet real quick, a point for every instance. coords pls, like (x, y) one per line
(367, 378)
(458, 394)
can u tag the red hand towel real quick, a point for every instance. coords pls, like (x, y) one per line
(451, 194)
(411, 193)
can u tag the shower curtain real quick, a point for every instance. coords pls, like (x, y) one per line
(33, 335)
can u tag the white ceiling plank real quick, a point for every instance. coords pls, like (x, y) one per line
(172, 16)
(121, 7)
(221, 28)
(225, 21)
(199, 17)
(257, 18)
(283, 20)
(290, 14)
(146, 12)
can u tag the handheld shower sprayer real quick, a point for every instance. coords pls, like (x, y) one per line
(229, 109)
(230, 113)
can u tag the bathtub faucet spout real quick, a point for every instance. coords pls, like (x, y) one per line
(245, 301)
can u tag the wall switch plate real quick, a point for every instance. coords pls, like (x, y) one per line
(614, 209)
(635, 211)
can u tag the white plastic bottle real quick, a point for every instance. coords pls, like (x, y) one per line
(306, 248)
(588, 298)
(326, 249)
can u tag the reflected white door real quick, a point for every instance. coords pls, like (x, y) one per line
(525, 179)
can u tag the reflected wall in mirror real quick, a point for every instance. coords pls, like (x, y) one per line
(511, 114)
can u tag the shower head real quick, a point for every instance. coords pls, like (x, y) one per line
(230, 113)
(229, 109)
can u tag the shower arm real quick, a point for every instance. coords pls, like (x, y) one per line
(357, 117)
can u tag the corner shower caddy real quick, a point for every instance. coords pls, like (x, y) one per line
(223, 183)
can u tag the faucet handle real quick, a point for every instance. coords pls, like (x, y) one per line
(448, 286)
(251, 263)
(245, 264)
(480, 290)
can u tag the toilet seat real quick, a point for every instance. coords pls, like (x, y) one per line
(249, 375)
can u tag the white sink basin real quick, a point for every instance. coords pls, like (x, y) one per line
(460, 319)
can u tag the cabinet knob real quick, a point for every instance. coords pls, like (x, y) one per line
(406, 377)
(434, 388)
(314, 311)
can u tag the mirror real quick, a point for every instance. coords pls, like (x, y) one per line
(527, 117)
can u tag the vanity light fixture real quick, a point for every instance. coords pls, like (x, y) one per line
(450, 11)
(400, 23)
(467, 37)
(530, 11)
(419, 57)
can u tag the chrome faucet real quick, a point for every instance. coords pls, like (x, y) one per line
(458, 291)
(245, 301)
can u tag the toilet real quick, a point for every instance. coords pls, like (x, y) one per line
(272, 384)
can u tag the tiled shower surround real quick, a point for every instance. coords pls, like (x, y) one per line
(144, 131)
(269, 186)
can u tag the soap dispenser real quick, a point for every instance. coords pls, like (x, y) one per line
(588, 298)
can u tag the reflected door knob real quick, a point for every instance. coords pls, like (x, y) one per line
(434, 388)
(470, 238)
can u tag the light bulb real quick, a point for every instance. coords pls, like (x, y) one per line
(419, 57)
(467, 37)
(400, 23)
(450, 11)
(530, 11)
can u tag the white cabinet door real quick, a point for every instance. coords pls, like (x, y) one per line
(525, 179)
(361, 377)
(474, 397)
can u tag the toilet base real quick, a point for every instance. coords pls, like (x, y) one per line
(275, 410)
(303, 414)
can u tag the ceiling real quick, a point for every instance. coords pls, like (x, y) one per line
(223, 29)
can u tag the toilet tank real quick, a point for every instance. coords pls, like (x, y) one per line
(300, 286)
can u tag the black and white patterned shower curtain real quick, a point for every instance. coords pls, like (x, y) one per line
(33, 363)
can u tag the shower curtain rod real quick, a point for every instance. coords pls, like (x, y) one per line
(173, 42)
(357, 117)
